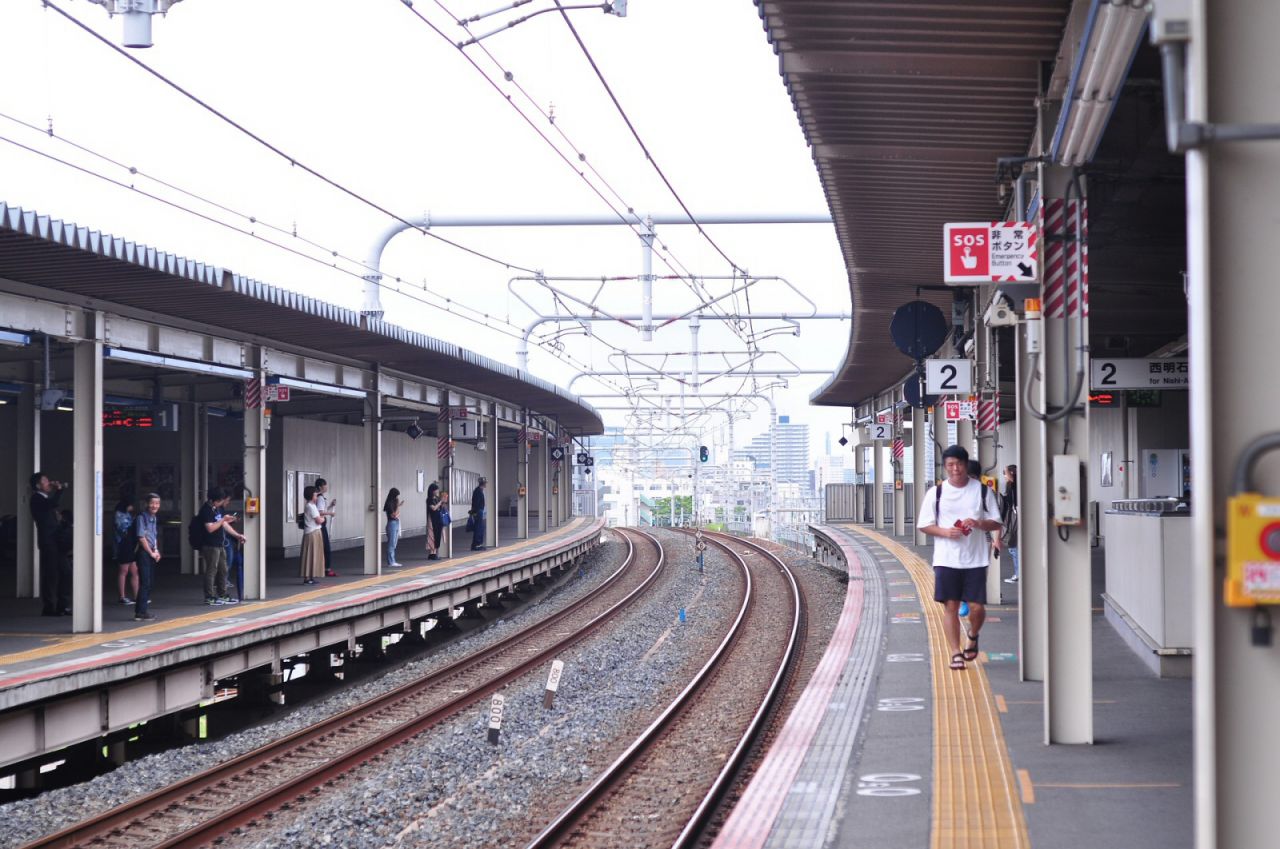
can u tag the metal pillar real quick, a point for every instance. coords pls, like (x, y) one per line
(965, 437)
(987, 384)
(1068, 701)
(899, 484)
(877, 492)
(921, 448)
(523, 480)
(544, 480)
(373, 483)
(493, 497)
(859, 492)
(646, 280)
(1033, 518)
(255, 481)
(27, 463)
(445, 546)
(86, 481)
(1232, 301)
(189, 495)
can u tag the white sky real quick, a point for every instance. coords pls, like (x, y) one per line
(369, 96)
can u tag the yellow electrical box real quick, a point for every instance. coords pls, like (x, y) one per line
(1253, 550)
(251, 506)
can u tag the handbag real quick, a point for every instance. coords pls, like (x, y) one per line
(445, 518)
(471, 523)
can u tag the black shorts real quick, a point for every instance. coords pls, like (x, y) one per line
(951, 584)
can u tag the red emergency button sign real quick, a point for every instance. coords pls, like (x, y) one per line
(970, 251)
(1269, 540)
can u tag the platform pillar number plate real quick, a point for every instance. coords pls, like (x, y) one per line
(1253, 549)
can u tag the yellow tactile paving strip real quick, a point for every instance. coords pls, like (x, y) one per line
(976, 799)
(83, 641)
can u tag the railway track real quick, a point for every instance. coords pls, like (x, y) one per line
(664, 789)
(208, 805)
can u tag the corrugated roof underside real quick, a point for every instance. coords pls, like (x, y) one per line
(907, 104)
(41, 251)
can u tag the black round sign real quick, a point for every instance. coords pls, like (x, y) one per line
(913, 394)
(918, 329)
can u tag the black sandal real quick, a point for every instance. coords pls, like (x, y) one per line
(971, 653)
(957, 661)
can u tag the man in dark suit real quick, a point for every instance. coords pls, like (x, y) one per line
(55, 588)
(478, 516)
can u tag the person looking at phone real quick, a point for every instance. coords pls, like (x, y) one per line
(213, 553)
(951, 513)
(328, 508)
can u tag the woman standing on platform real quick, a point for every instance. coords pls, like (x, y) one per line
(435, 525)
(312, 557)
(1009, 518)
(126, 550)
(392, 508)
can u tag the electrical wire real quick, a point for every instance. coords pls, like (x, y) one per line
(683, 272)
(647, 155)
(292, 160)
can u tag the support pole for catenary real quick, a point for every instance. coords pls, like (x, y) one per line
(877, 491)
(493, 492)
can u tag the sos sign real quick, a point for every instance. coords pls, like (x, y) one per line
(990, 252)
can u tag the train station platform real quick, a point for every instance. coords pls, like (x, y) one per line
(59, 688)
(888, 747)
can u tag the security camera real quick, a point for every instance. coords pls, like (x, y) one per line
(1000, 314)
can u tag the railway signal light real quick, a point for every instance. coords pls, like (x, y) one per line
(703, 454)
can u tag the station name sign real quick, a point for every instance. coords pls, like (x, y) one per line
(977, 253)
(1132, 373)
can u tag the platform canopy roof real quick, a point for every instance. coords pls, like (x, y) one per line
(906, 105)
(87, 264)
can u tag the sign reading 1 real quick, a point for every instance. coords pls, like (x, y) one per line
(948, 377)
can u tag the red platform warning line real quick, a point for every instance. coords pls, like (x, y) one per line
(752, 819)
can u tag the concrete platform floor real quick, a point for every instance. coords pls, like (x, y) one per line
(175, 594)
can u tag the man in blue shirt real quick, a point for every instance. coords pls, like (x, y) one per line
(146, 527)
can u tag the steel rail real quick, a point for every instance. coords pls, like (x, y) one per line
(756, 729)
(615, 773)
(111, 823)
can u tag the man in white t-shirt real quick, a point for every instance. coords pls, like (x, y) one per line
(957, 513)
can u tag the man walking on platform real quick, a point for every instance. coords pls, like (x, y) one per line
(46, 495)
(956, 513)
(478, 516)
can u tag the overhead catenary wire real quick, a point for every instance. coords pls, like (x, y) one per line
(635, 133)
(292, 160)
(682, 272)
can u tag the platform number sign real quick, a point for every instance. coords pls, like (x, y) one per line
(948, 377)
(879, 431)
(1133, 373)
(557, 453)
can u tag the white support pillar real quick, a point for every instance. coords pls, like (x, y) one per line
(27, 462)
(544, 484)
(190, 497)
(877, 492)
(1033, 518)
(255, 481)
(524, 486)
(493, 496)
(446, 483)
(86, 481)
(921, 448)
(986, 437)
(965, 437)
(373, 483)
(859, 492)
(899, 487)
(1232, 303)
(1068, 701)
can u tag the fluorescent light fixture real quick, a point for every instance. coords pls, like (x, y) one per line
(15, 340)
(175, 363)
(312, 386)
(1111, 42)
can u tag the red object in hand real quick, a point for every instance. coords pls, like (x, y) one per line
(960, 525)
